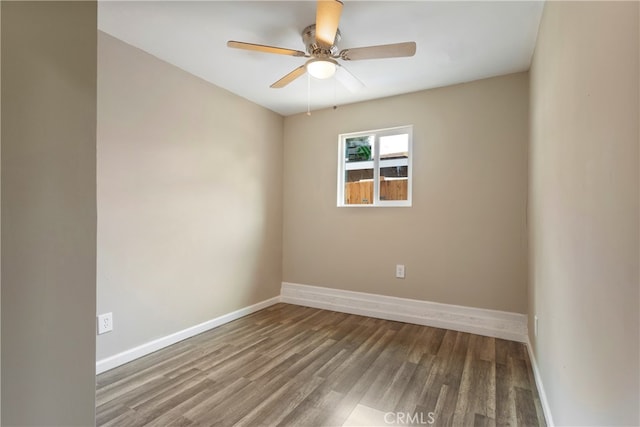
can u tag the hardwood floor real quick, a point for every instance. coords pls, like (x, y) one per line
(297, 366)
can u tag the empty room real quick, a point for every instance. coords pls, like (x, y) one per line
(320, 213)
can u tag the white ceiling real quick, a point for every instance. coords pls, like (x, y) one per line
(456, 42)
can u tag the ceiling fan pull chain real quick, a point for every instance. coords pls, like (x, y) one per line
(308, 94)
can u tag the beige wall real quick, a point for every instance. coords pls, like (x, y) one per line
(584, 211)
(189, 198)
(48, 213)
(463, 241)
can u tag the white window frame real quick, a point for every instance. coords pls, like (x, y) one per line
(375, 163)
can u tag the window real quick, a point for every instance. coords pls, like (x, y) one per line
(374, 167)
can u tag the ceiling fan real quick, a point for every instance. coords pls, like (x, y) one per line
(321, 41)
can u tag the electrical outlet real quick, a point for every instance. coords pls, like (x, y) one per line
(400, 271)
(535, 325)
(105, 323)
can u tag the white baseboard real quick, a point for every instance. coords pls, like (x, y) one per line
(155, 345)
(492, 323)
(543, 395)
(499, 324)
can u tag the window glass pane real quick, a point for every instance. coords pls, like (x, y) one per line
(394, 167)
(358, 171)
(373, 167)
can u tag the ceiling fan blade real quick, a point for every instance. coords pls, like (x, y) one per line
(382, 51)
(348, 80)
(264, 48)
(327, 19)
(290, 77)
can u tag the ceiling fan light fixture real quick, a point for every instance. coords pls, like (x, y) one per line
(321, 68)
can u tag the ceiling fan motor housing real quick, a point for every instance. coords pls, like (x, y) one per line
(314, 48)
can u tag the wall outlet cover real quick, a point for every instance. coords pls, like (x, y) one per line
(105, 323)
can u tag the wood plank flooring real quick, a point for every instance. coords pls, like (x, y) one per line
(297, 366)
